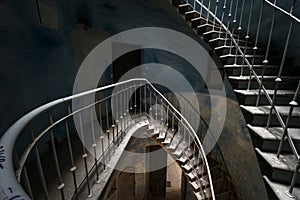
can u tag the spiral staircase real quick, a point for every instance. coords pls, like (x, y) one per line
(266, 87)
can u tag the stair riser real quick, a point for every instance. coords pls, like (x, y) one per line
(269, 84)
(184, 9)
(271, 145)
(261, 120)
(228, 42)
(240, 61)
(276, 174)
(246, 71)
(251, 100)
(190, 16)
(204, 29)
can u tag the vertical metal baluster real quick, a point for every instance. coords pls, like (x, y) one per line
(26, 181)
(222, 16)
(84, 156)
(265, 62)
(102, 136)
(254, 52)
(201, 8)
(167, 120)
(61, 184)
(162, 112)
(135, 99)
(107, 130)
(140, 90)
(234, 26)
(239, 33)
(292, 104)
(94, 146)
(228, 23)
(39, 165)
(207, 15)
(73, 167)
(156, 108)
(247, 37)
(216, 11)
(145, 98)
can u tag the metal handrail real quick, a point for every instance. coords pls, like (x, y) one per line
(8, 140)
(235, 43)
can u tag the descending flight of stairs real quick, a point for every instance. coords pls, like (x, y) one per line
(192, 164)
(277, 175)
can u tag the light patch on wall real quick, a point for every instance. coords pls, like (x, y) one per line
(47, 15)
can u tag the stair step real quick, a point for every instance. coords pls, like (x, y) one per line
(230, 59)
(187, 167)
(199, 183)
(176, 3)
(235, 70)
(198, 171)
(287, 83)
(183, 8)
(278, 190)
(216, 34)
(168, 138)
(279, 171)
(191, 15)
(175, 142)
(258, 115)
(223, 50)
(268, 140)
(204, 194)
(220, 41)
(162, 134)
(248, 97)
(198, 21)
(202, 28)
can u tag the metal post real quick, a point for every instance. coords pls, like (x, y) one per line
(61, 184)
(94, 146)
(84, 156)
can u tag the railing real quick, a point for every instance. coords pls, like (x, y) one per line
(116, 109)
(237, 17)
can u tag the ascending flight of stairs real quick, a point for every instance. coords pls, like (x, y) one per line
(277, 175)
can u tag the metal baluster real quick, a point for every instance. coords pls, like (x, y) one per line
(61, 184)
(265, 62)
(94, 146)
(39, 165)
(233, 27)
(228, 22)
(292, 104)
(84, 156)
(222, 16)
(216, 10)
(247, 37)
(145, 98)
(73, 167)
(278, 79)
(239, 33)
(254, 52)
(102, 136)
(107, 129)
(201, 8)
(156, 108)
(207, 15)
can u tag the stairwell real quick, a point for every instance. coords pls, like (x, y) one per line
(277, 173)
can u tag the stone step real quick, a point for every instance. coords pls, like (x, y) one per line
(229, 59)
(221, 41)
(204, 194)
(278, 191)
(235, 70)
(175, 142)
(199, 171)
(231, 49)
(258, 116)
(191, 15)
(241, 82)
(268, 140)
(183, 8)
(207, 26)
(199, 183)
(249, 97)
(213, 34)
(280, 171)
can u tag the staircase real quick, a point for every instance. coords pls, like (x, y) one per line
(265, 128)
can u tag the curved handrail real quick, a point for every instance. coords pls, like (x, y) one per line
(9, 138)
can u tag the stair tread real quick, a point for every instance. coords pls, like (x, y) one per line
(204, 194)
(229, 38)
(241, 56)
(280, 189)
(274, 133)
(191, 12)
(287, 163)
(265, 110)
(254, 66)
(227, 46)
(284, 78)
(184, 5)
(271, 92)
